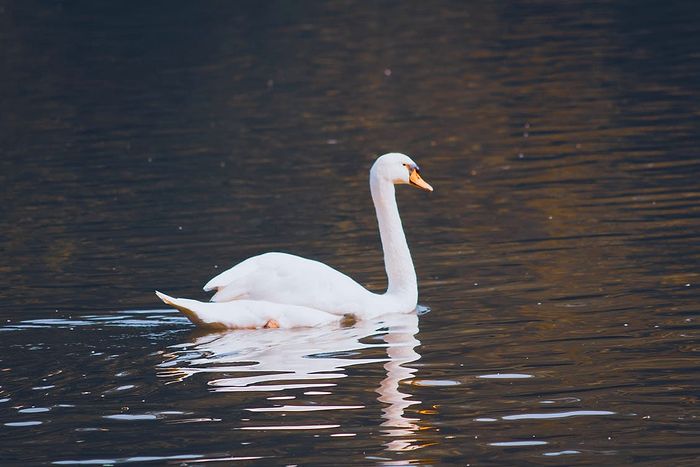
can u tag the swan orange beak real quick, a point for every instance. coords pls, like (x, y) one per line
(416, 180)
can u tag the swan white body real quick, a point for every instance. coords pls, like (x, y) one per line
(297, 289)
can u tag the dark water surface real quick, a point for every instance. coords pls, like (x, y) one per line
(148, 145)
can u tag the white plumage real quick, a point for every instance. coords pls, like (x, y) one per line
(283, 290)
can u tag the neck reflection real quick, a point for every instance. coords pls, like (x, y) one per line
(401, 344)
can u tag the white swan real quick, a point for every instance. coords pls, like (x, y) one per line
(282, 290)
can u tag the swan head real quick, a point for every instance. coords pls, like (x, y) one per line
(398, 169)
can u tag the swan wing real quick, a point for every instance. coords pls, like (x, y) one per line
(232, 283)
(247, 314)
(290, 279)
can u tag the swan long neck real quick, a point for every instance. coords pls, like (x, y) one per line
(397, 257)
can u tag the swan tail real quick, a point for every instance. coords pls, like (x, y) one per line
(187, 310)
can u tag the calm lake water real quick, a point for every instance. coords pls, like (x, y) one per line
(149, 145)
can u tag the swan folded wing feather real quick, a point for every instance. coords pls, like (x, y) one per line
(247, 314)
(237, 273)
(285, 278)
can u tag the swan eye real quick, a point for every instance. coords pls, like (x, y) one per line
(411, 167)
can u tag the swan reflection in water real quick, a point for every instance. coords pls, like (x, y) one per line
(278, 360)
